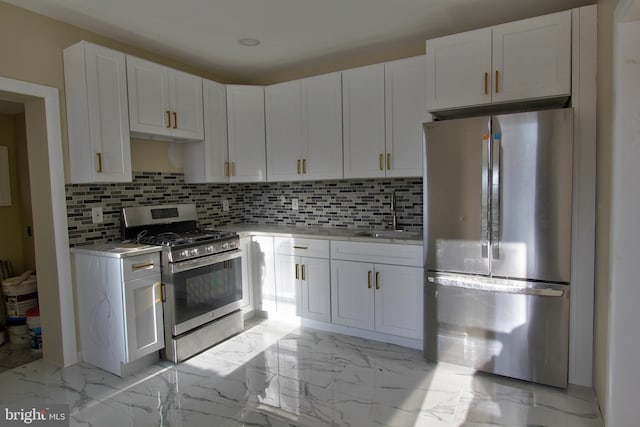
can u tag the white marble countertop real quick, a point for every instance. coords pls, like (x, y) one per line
(115, 249)
(354, 235)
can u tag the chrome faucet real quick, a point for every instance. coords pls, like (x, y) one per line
(394, 218)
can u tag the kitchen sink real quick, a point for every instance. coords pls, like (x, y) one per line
(387, 234)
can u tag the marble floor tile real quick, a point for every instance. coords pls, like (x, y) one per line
(277, 374)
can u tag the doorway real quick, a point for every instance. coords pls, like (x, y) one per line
(51, 240)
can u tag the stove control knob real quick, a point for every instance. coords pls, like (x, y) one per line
(225, 246)
(184, 254)
(233, 244)
(210, 249)
(194, 252)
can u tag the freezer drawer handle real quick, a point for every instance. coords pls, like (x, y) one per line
(545, 292)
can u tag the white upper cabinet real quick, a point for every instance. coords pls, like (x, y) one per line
(246, 134)
(164, 103)
(532, 58)
(406, 110)
(304, 129)
(363, 114)
(97, 114)
(516, 61)
(384, 106)
(208, 160)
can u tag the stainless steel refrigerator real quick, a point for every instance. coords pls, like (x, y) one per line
(498, 243)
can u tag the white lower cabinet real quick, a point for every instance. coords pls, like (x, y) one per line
(119, 309)
(375, 296)
(303, 278)
(263, 273)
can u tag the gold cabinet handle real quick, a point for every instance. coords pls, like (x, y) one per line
(486, 83)
(99, 156)
(388, 161)
(369, 280)
(297, 271)
(298, 166)
(304, 166)
(233, 168)
(145, 266)
(168, 119)
(377, 280)
(300, 247)
(226, 168)
(303, 272)
(175, 120)
(381, 161)
(497, 81)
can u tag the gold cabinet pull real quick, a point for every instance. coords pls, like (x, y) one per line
(145, 266)
(388, 161)
(497, 81)
(377, 280)
(381, 161)
(99, 156)
(175, 120)
(233, 168)
(300, 247)
(226, 168)
(369, 280)
(298, 166)
(168, 119)
(297, 271)
(303, 272)
(486, 83)
(304, 166)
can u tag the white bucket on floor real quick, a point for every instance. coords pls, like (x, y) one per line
(20, 294)
(19, 335)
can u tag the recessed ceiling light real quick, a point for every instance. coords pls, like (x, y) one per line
(249, 42)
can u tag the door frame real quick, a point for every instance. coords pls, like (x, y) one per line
(53, 261)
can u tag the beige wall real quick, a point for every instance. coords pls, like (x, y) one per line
(11, 246)
(31, 47)
(24, 184)
(603, 195)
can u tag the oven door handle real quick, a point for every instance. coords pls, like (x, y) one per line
(178, 267)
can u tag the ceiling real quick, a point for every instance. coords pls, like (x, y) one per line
(205, 33)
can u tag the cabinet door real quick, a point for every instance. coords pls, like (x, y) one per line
(263, 274)
(316, 289)
(532, 58)
(207, 161)
(97, 114)
(322, 126)
(399, 300)
(185, 93)
(459, 70)
(143, 317)
(287, 284)
(406, 110)
(363, 121)
(352, 294)
(149, 106)
(246, 132)
(283, 131)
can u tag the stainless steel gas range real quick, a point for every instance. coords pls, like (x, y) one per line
(201, 276)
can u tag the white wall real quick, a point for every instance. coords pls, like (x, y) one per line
(623, 386)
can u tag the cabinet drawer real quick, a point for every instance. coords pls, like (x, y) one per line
(304, 247)
(140, 266)
(382, 253)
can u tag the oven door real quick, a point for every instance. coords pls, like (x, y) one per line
(201, 290)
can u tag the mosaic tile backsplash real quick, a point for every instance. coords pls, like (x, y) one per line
(345, 203)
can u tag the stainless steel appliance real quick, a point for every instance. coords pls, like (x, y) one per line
(498, 243)
(201, 276)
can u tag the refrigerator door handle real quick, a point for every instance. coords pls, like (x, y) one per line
(495, 196)
(478, 285)
(485, 199)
